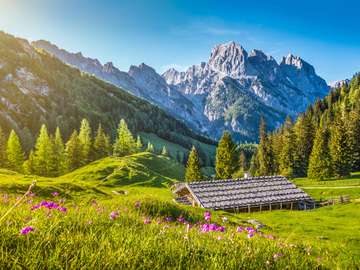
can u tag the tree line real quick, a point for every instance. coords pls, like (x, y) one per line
(51, 156)
(323, 142)
(231, 160)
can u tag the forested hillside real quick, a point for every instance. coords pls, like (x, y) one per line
(323, 142)
(37, 89)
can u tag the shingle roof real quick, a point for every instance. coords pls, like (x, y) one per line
(253, 191)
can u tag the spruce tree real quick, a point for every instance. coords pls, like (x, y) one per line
(59, 153)
(85, 139)
(304, 133)
(43, 154)
(139, 144)
(150, 148)
(225, 157)
(286, 160)
(254, 164)
(29, 164)
(2, 149)
(193, 172)
(339, 149)
(125, 143)
(14, 152)
(353, 131)
(164, 151)
(264, 153)
(73, 151)
(100, 144)
(320, 164)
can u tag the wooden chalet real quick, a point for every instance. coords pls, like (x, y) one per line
(246, 194)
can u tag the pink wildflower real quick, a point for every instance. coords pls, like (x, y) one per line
(277, 255)
(137, 204)
(250, 235)
(55, 193)
(114, 215)
(239, 229)
(207, 215)
(147, 220)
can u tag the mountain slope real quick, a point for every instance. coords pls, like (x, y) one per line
(233, 90)
(37, 88)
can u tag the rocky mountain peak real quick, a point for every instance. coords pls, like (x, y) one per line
(229, 58)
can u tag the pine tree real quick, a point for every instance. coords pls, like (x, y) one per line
(43, 154)
(320, 164)
(339, 149)
(125, 143)
(225, 157)
(139, 144)
(164, 151)
(353, 131)
(85, 139)
(193, 172)
(73, 151)
(150, 148)
(242, 166)
(101, 144)
(286, 160)
(264, 153)
(14, 152)
(304, 133)
(2, 149)
(29, 164)
(254, 164)
(59, 153)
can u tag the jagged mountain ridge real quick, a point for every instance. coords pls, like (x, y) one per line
(233, 90)
(36, 89)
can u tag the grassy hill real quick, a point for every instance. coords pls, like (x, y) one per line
(148, 230)
(100, 178)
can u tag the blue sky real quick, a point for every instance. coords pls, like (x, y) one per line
(180, 33)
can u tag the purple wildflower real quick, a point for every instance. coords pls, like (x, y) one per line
(137, 204)
(250, 235)
(181, 219)
(219, 237)
(114, 215)
(220, 229)
(48, 205)
(147, 220)
(207, 215)
(55, 193)
(277, 255)
(168, 219)
(239, 229)
(26, 230)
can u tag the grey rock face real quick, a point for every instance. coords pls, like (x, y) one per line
(231, 91)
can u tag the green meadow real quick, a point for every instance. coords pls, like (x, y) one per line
(120, 214)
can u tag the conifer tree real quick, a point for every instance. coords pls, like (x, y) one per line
(73, 151)
(2, 149)
(304, 133)
(339, 149)
(286, 160)
(59, 153)
(320, 164)
(29, 164)
(264, 153)
(164, 151)
(14, 152)
(101, 144)
(150, 148)
(353, 130)
(125, 143)
(139, 144)
(254, 164)
(193, 172)
(242, 166)
(225, 157)
(43, 154)
(85, 139)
